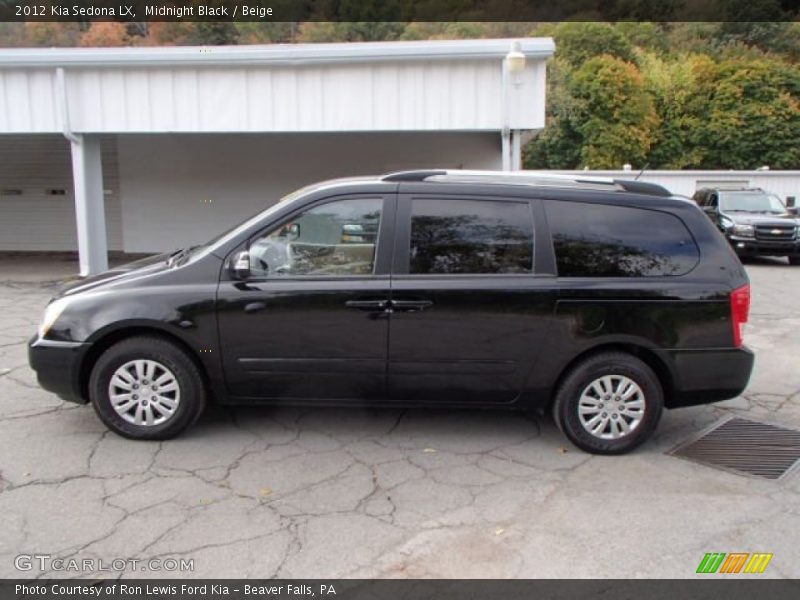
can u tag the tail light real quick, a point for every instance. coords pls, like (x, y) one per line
(740, 309)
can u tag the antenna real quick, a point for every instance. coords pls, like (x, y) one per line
(644, 168)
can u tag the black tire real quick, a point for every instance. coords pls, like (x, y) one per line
(794, 261)
(568, 395)
(190, 385)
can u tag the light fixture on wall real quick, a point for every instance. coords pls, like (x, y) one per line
(515, 61)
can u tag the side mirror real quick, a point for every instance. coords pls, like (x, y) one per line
(793, 210)
(240, 265)
(790, 201)
(710, 210)
(291, 231)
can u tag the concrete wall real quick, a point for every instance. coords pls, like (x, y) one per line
(179, 190)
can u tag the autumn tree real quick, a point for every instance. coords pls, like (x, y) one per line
(46, 34)
(607, 118)
(105, 34)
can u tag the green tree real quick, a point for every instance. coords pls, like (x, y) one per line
(351, 31)
(270, 32)
(681, 89)
(559, 145)
(615, 114)
(578, 42)
(214, 33)
(754, 116)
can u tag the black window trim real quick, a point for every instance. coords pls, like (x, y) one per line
(402, 241)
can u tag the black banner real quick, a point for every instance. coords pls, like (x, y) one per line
(398, 10)
(735, 587)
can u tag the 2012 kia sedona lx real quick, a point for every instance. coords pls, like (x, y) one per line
(600, 300)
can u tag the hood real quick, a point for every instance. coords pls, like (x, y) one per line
(744, 218)
(150, 264)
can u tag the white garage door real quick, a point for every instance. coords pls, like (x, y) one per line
(37, 204)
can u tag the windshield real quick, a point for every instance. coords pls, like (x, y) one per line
(243, 226)
(755, 202)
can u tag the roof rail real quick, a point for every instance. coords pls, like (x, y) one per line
(534, 178)
(412, 175)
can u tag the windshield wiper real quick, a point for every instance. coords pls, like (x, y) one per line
(179, 256)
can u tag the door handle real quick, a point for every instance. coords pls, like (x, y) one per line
(411, 305)
(252, 307)
(367, 304)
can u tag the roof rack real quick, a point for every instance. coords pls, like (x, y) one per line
(533, 178)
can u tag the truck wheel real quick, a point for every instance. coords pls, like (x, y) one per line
(147, 388)
(794, 260)
(609, 403)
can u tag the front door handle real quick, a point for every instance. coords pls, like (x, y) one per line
(252, 307)
(411, 305)
(368, 305)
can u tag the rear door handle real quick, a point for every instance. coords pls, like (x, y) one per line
(411, 305)
(367, 304)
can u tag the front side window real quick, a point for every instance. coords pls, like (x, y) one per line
(453, 236)
(334, 239)
(596, 240)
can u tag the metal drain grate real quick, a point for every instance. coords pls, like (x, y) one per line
(746, 447)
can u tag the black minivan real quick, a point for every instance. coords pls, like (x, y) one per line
(600, 300)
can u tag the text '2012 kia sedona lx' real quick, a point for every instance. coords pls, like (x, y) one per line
(600, 300)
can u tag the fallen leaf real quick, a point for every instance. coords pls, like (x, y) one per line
(265, 491)
(429, 450)
(563, 450)
(499, 531)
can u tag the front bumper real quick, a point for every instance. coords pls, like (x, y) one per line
(704, 376)
(57, 366)
(754, 247)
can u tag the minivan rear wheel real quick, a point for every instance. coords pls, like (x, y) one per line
(609, 403)
(146, 388)
(794, 261)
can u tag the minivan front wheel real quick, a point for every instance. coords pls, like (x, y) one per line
(146, 388)
(609, 403)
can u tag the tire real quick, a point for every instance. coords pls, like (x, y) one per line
(582, 385)
(173, 407)
(794, 260)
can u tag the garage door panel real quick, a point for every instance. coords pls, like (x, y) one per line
(37, 204)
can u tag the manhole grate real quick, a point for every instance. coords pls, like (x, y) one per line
(746, 447)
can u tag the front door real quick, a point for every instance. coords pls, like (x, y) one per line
(311, 321)
(469, 315)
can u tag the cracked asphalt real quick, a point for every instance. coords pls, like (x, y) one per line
(328, 493)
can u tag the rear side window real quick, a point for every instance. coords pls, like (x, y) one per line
(470, 236)
(597, 240)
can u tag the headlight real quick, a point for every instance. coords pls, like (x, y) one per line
(744, 230)
(51, 314)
